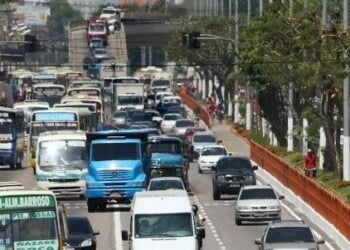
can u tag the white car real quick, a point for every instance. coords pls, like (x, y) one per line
(209, 156)
(257, 203)
(182, 125)
(168, 122)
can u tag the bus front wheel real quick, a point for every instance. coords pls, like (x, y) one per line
(92, 205)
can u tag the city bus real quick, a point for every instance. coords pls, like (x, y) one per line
(49, 120)
(87, 99)
(11, 137)
(30, 219)
(49, 92)
(61, 162)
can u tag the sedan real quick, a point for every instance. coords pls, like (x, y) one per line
(181, 126)
(288, 234)
(165, 183)
(95, 43)
(257, 203)
(209, 156)
(100, 53)
(168, 122)
(81, 234)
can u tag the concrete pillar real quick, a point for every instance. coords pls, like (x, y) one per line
(229, 108)
(210, 91)
(150, 60)
(264, 126)
(236, 107)
(203, 89)
(305, 144)
(322, 146)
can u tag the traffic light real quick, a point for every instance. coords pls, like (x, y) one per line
(191, 40)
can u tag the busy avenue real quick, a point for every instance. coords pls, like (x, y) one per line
(98, 153)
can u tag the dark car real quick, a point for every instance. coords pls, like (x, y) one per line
(288, 234)
(230, 174)
(177, 109)
(81, 234)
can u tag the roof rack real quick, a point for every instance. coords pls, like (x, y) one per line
(11, 185)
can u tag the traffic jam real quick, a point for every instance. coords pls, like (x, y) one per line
(126, 141)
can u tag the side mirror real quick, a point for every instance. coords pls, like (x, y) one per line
(219, 141)
(230, 153)
(195, 209)
(27, 130)
(213, 168)
(320, 241)
(201, 232)
(125, 235)
(281, 197)
(255, 167)
(258, 241)
(96, 232)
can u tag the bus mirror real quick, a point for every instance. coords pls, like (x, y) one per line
(27, 130)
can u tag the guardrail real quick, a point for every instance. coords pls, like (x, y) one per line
(192, 103)
(332, 208)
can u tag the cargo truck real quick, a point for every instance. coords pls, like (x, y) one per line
(129, 95)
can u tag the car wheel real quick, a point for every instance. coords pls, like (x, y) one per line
(216, 195)
(92, 205)
(238, 222)
(102, 206)
(200, 170)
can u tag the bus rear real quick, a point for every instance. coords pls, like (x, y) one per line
(11, 137)
(29, 220)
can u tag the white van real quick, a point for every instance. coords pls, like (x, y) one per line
(163, 220)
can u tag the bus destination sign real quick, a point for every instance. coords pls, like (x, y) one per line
(27, 201)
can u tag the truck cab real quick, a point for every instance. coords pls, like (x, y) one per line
(167, 158)
(117, 166)
(174, 220)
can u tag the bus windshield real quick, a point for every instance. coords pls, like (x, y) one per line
(28, 221)
(67, 154)
(6, 127)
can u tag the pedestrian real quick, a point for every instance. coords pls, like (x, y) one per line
(310, 163)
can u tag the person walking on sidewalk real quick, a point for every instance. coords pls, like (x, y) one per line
(310, 163)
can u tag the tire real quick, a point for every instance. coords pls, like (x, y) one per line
(13, 164)
(92, 205)
(200, 170)
(216, 195)
(102, 206)
(238, 222)
(19, 162)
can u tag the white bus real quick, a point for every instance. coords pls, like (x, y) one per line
(61, 162)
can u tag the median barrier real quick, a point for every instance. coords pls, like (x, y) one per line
(192, 103)
(322, 201)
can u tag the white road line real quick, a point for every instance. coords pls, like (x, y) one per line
(293, 214)
(117, 230)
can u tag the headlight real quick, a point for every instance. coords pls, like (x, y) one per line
(274, 207)
(243, 208)
(91, 185)
(249, 178)
(220, 178)
(86, 243)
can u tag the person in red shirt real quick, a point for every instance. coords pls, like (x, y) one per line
(310, 163)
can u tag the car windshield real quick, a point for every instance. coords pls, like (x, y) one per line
(234, 163)
(115, 151)
(289, 235)
(259, 193)
(163, 225)
(79, 226)
(204, 138)
(165, 184)
(171, 117)
(213, 151)
(184, 123)
(120, 115)
(163, 147)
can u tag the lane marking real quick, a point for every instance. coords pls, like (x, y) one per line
(209, 223)
(117, 230)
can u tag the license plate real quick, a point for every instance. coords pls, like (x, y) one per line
(234, 185)
(260, 215)
(114, 195)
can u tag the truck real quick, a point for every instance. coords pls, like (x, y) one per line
(161, 81)
(168, 158)
(160, 217)
(97, 28)
(129, 95)
(117, 164)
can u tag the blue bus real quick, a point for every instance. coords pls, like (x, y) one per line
(11, 137)
(49, 120)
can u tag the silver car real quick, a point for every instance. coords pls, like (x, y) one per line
(288, 234)
(201, 139)
(257, 203)
(181, 126)
(165, 183)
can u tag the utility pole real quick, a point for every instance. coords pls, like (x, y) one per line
(236, 68)
(248, 100)
(261, 7)
(290, 141)
(346, 141)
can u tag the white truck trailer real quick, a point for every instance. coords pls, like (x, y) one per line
(129, 95)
